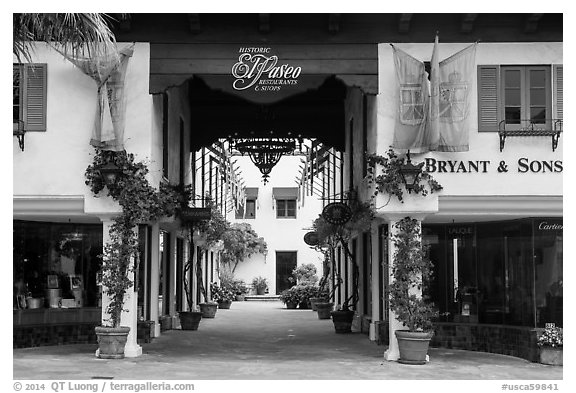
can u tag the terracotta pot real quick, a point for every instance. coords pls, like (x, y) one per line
(260, 291)
(224, 305)
(291, 305)
(342, 321)
(314, 300)
(303, 306)
(240, 298)
(111, 341)
(190, 320)
(208, 309)
(413, 346)
(324, 309)
(551, 356)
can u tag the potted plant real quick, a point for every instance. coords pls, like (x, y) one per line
(305, 275)
(260, 284)
(329, 237)
(204, 234)
(411, 269)
(290, 298)
(305, 294)
(139, 202)
(240, 289)
(324, 309)
(221, 295)
(551, 343)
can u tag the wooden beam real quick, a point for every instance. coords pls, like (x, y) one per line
(223, 67)
(264, 23)
(194, 23)
(468, 23)
(334, 23)
(532, 23)
(404, 23)
(285, 52)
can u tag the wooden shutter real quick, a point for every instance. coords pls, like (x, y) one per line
(489, 112)
(558, 92)
(34, 108)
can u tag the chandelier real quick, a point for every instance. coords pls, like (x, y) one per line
(265, 152)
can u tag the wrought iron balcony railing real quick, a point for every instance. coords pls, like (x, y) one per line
(544, 127)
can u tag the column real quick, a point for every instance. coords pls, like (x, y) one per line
(154, 278)
(129, 315)
(172, 279)
(376, 280)
(393, 353)
(129, 318)
(106, 224)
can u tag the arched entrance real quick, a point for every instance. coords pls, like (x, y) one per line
(325, 102)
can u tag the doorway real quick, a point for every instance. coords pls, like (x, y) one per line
(286, 262)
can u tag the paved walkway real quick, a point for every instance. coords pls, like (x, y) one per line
(264, 341)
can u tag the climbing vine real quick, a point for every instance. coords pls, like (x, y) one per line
(389, 180)
(140, 203)
(330, 235)
(411, 270)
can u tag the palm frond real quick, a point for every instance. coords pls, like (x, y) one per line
(75, 33)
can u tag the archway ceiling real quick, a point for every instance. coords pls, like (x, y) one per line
(313, 113)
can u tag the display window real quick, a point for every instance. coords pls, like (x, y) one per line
(56, 265)
(505, 272)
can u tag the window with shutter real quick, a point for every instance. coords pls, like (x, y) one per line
(517, 97)
(488, 97)
(558, 92)
(29, 96)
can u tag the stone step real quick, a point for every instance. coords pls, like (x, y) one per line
(262, 297)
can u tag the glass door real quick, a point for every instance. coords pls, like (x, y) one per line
(285, 262)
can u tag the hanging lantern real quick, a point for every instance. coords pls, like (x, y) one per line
(110, 173)
(265, 152)
(410, 173)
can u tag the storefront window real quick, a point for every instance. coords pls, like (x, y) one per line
(548, 271)
(507, 272)
(56, 264)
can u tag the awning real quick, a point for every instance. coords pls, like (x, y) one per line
(251, 192)
(285, 192)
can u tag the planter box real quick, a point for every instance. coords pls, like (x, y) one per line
(324, 310)
(224, 305)
(208, 309)
(551, 356)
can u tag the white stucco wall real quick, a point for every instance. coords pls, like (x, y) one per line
(53, 162)
(280, 234)
(483, 145)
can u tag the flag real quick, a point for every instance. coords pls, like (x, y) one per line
(434, 121)
(456, 77)
(412, 98)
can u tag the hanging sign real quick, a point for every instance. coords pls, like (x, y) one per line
(258, 69)
(196, 214)
(311, 238)
(337, 213)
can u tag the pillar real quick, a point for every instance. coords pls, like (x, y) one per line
(172, 279)
(154, 277)
(129, 315)
(377, 281)
(392, 353)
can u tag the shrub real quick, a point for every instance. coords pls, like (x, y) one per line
(221, 294)
(260, 282)
(551, 337)
(305, 274)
